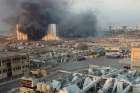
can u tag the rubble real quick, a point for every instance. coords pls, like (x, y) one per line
(112, 81)
(46, 57)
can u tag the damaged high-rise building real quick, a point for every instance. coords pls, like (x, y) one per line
(34, 17)
(33, 23)
(50, 34)
(21, 35)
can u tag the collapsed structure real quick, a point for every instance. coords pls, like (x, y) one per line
(95, 80)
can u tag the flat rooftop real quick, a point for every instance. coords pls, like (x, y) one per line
(10, 54)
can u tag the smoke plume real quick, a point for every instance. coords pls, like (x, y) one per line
(33, 17)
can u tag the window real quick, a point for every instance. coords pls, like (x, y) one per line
(3, 62)
(4, 70)
(24, 57)
(8, 70)
(14, 69)
(23, 66)
(26, 66)
(19, 68)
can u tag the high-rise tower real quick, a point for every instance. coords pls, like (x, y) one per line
(51, 35)
(21, 35)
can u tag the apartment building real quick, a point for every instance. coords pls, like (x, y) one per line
(13, 65)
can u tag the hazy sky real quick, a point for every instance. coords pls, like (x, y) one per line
(117, 12)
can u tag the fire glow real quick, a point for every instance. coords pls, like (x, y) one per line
(51, 35)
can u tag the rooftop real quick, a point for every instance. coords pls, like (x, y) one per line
(11, 54)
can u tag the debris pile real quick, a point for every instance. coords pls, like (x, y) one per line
(94, 80)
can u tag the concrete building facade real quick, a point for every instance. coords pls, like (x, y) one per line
(51, 35)
(13, 65)
(21, 35)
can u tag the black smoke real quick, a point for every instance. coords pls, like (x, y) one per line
(33, 20)
(80, 25)
(35, 15)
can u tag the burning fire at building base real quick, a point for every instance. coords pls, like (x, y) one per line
(51, 34)
(21, 35)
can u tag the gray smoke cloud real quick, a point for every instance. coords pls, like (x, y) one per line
(37, 14)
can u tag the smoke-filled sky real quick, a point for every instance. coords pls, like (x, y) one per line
(119, 12)
(108, 12)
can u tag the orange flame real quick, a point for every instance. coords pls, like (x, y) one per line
(50, 36)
